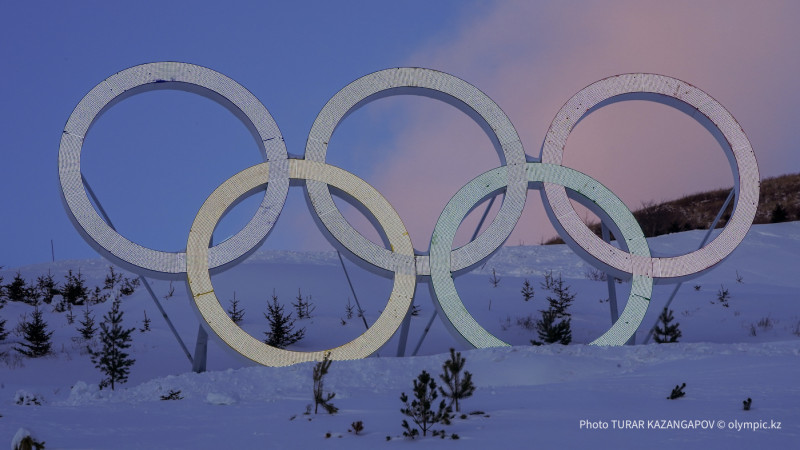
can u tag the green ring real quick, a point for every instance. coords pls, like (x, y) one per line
(446, 299)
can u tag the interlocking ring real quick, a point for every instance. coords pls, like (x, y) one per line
(699, 106)
(177, 76)
(460, 323)
(514, 177)
(453, 91)
(214, 315)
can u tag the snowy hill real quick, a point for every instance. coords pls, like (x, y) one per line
(546, 397)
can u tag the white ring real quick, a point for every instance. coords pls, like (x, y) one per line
(181, 76)
(698, 105)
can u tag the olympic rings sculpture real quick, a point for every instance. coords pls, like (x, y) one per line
(514, 177)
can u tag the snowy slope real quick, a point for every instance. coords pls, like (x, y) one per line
(529, 396)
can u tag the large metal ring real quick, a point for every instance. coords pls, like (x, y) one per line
(178, 76)
(455, 316)
(698, 105)
(215, 317)
(451, 90)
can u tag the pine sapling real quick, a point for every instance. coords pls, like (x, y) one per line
(74, 291)
(171, 291)
(97, 296)
(47, 287)
(236, 314)
(320, 398)
(356, 427)
(527, 290)
(3, 332)
(303, 306)
(281, 326)
(723, 296)
(112, 359)
(677, 392)
(494, 280)
(420, 409)
(665, 331)
(551, 331)
(563, 297)
(145, 323)
(348, 309)
(37, 338)
(457, 386)
(87, 328)
(70, 315)
(172, 395)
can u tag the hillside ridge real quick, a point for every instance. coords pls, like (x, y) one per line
(779, 202)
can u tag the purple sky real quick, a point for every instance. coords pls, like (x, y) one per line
(154, 158)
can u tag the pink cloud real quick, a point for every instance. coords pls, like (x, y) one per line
(531, 58)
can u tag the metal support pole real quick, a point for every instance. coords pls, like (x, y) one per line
(611, 283)
(435, 312)
(360, 310)
(141, 278)
(401, 344)
(424, 333)
(610, 280)
(200, 351)
(705, 239)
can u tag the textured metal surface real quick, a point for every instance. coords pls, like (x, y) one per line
(213, 315)
(513, 177)
(461, 323)
(698, 105)
(451, 90)
(178, 76)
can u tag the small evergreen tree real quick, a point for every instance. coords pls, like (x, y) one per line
(113, 279)
(303, 306)
(723, 296)
(145, 323)
(18, 290)
(420, 409)
(70, 315)
(128, 286)
(236, 314)
(665, 332)
(494, 280)
(779, 214)
(170, 291)
(87, 328)
(3, 332)
(47, 287)
(547, 284)
(677, 392)
(554, 326)
(97, 296)
(458, 388)
(281, 326)
(348, 309)
(74, 290)
(552, 332)
(112, 359)
(320, 370)
(527, 290)
(36, 336)
(563, 297)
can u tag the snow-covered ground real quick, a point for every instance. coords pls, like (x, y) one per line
(575, 396)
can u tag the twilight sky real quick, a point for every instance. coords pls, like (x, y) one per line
(153, 158)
